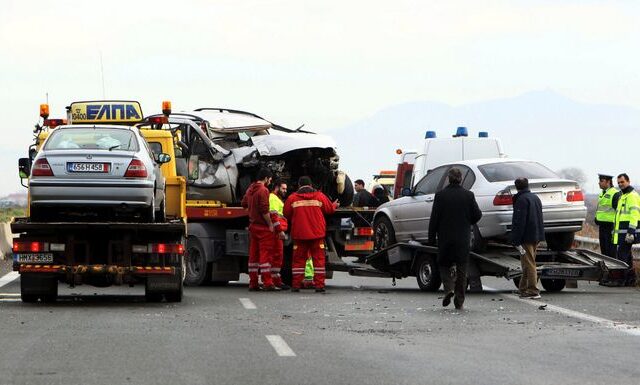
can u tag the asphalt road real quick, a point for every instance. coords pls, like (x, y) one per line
(362, 331)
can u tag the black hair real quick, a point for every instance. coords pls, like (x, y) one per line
(359, 181)
(276, 183)
(304, 181)
(264, 173)
(455, 176)
(624, 175)
(522, 184)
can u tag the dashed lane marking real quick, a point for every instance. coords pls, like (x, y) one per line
(247, 303)
(609, 324)
(10, 300)
(280, 346)
(9, 294)
(8, 278)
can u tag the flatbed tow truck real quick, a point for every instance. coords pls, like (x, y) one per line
(102, 253)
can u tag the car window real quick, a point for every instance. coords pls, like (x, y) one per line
(156, 147)
(92, 139)
(468, 177)
(510, 171)
(429, 184)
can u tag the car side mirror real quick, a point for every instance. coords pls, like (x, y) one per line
(406, 192)
(163, 158)
(192, 167)
(24, 167)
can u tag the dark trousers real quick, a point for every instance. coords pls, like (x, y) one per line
(605, 230)
(626, 256)
(454, 280)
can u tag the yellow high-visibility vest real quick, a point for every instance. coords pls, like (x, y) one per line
(605, 211)
(627, 215)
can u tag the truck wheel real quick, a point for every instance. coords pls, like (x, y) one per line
(34, 286)
(384, 235)
(560, 241)
(176, 295)
(196, 263)
(553, 285)
(427, 274)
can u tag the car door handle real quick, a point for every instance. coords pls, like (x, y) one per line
(429, 199)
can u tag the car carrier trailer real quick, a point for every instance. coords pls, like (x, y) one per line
(555, 268)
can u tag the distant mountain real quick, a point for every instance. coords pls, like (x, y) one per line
(539, 125)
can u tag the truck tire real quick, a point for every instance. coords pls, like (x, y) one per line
(197, 268)
(427, 273)
(553, 285)
(560, 241)
(176, 295)
(384, 235)
(38, 286)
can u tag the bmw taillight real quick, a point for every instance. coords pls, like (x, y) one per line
(41, 168)
(503, 198)
(575, 196)
(136, 169)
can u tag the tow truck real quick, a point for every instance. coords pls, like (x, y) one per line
(102, 253)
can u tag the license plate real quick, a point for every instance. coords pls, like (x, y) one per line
(34, 258)
(88, 167)
(550, 197)
(562, 272)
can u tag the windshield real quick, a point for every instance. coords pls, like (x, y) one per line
(92, 139)
(510, 171)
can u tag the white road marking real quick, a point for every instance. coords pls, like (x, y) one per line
(8, 278)
(10, 300)
(9, 294)
(609, 324)
(246, 302)
(280, 346)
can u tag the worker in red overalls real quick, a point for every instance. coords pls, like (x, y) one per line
(261, 231)
(305, 209)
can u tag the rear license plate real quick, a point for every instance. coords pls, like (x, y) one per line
(550, 197)
(88, 167)
(34, 258)
(562, 272)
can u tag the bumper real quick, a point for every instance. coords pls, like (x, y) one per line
(498, 223)
(126, 192)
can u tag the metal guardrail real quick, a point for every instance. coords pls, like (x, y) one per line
(594, 243)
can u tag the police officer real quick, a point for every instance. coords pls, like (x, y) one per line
(606, 214)
(626, 224)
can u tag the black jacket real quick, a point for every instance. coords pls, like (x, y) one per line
(527, 222)
(365, 198)
(454, 211)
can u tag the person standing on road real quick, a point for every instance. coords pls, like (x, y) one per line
(627, 221)
(606, 214)
(305, 209)
(276, 206)
(454, 211)
(527, 231)
(363, 198)
(261, 231)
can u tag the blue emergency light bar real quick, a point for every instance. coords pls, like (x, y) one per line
(483, 134)
(462, 131)
(430, 135)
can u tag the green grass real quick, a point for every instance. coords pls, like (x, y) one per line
(7, 213)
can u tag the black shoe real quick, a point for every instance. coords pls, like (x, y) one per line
(458, 303)
(284, 286)
(295, 290)
(446, 301)
(320, 290)
(255, 288)
(270, 288)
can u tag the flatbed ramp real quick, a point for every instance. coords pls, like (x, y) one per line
(554, 267)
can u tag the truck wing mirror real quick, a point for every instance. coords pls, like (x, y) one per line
(163, 158)
(24, 167)
(406, 192)
(193, 167)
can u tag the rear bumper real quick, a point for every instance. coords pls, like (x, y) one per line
(495, 224)
(127, 192)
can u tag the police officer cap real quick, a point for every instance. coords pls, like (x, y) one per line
(605, 176)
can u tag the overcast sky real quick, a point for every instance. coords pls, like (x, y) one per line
(322, 63)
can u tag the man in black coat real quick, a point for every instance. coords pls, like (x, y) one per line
(454, 211)
(527, 231)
